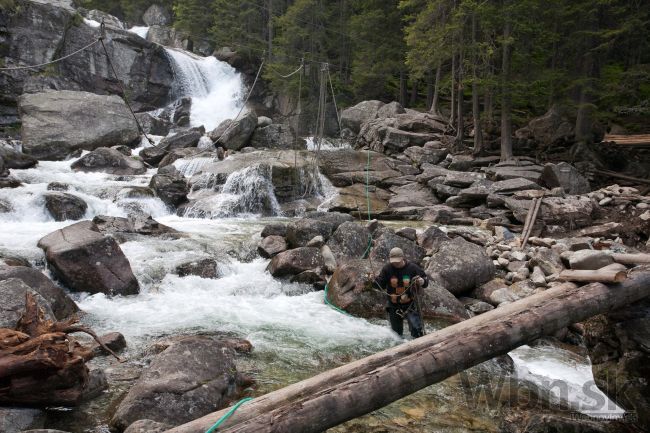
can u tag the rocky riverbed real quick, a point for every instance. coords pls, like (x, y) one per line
(200, 252)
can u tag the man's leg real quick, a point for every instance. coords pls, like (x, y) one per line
(396, 321)
(415, 324)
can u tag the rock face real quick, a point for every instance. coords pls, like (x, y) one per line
(170, 186)
(352, 118)
(54, 124)
(86, 261)
(276, 136)
(235, 134)
(156, 15)
(61, 304)
(459, 266)
(63, 206)
(191, 378)
(12, 302)
(566, 176)
(293, 262)
(16, 419)
(110, 161)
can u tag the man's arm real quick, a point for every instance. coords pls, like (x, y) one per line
(421, 274)
(382, 279)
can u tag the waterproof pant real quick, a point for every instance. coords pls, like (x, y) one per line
(397, 314)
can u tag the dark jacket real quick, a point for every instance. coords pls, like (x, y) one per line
(397, 281)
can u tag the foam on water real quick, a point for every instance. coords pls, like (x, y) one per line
(192, 166)
(327, 144)
(564, 378)
(216, 87)
(141, 31)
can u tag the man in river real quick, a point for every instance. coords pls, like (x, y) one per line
(402, 281)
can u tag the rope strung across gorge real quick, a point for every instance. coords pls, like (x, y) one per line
(18, 68)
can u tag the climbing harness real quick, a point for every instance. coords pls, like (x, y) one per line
(227, 415)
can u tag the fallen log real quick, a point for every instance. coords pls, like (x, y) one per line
(632, 259)
(589, 276)
(40, 364)
(623, 177)
(360, 387)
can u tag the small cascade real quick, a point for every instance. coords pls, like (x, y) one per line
(327, 144)
(246, 192)
(192, 166)
(141, 31)
(215, 87)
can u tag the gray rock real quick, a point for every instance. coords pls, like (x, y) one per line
(349, 241)
(547, 260)
(63, 206)
(415, 194)
(107, 160)
(171, 188)
(147, 426)
(16, 160)
(12, 302)
(178, 112)
(276, 136)
(191, 378)
(55, 124)
(87, 261)
(275, 229)
(153, 125)
(476, 306)
(335, 218)
(157, 15)
(113, 340)
(9, 182)
(570, 212)
(61, 304)
(124, 150)
(43, 430)
(566, 176)
(551, 128)
(263, 121)
(590, 259)
(420, 155)
(141, 225)
(187, 152)
(271, 245)
(234, 135)
(204, 268)
(18, 419)
(408, 233)
(459, 266)
(303, 230)
(97, 384)
(387, 240)
(293, 262)
(5, 206)
(392, 109)
(152, 155)
(99, 16)
(183, 139)
(352, 118)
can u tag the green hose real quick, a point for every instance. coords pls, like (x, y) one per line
(227, 415)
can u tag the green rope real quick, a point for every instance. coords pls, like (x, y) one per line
(228, 415)
(368, 248)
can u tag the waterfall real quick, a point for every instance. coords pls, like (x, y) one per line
(215, 87)
(246, 191)
(141, 31)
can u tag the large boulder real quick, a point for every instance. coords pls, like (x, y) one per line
(352, 118)
(235, 134)
(107, 160)
(55, 124)
(87, 261)
(459, 266)
(571, 212)
(12, 302)
(551, 128)
(180, 140)
(271, 245)
(276, 136)
(386, 239)
(14, 159)
(356, 197)
(63, 206)
(293, 262)
(351, 240)
(153, 125)
(336, 218)
(170, 186)
(61, 304)
(413, 194)
(191, 378)
(120, 227)
(157, 15)
(349, 290)
(18, 419)
(303, 230)
(566, 176)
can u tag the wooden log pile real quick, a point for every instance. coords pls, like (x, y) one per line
(40, 363)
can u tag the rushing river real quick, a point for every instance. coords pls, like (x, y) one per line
(294, 334)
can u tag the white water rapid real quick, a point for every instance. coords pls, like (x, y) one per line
(216, 87)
